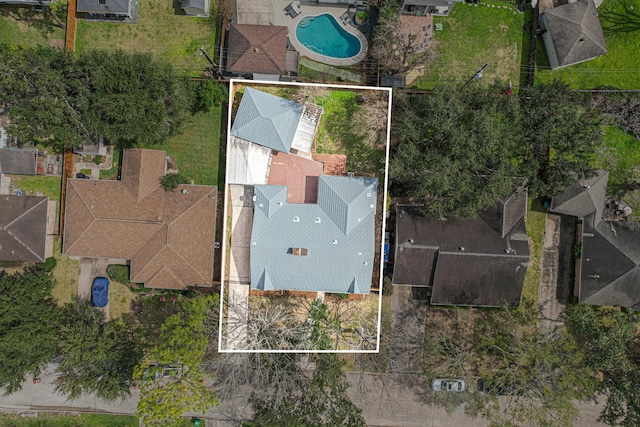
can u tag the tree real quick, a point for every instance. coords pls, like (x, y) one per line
(206, 94)
(164, 397)
(94, 356)
(610, 344)
(319, 400)
(541, 374)
(61, 101)
(456, 152)
(29, 324)
(561, 136)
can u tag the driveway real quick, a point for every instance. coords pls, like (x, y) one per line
(91, 268)
(257, 12)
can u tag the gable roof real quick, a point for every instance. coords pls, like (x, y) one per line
(23, 228)
(18, 161)
(583, 197)
(326, 246)
(480, 261)
(610, 264)
(257, 49)
(110, 6)
(267, 120)
(575, 31)
(168, 236)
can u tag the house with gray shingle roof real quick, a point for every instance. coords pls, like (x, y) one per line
(18, 161)
(479, 261)
(111, 10)
(195, 7)
(326, 246)
(572, 33)
(609, 272)
(23, 228)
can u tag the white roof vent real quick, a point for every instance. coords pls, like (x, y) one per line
(371, 206)
(335, 242)
(318, 221)
(260, 205)
(368, 194)
(296, 219)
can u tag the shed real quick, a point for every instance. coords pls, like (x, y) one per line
(18, 161)
(195, 7)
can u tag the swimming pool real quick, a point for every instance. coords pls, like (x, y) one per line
(322, 34)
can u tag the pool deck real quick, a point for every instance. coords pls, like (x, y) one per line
(282, 18)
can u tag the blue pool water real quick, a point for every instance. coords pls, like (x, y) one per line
(323, 35)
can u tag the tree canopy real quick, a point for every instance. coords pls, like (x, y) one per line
(457, 151)
(94, 356)
(58, 100)
(29, 321)
(165, 394)
(609, 340)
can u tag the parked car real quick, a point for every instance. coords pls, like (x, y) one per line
(440, 384)
(100, 291)
(82, 176)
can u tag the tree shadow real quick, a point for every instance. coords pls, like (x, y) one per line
(40, 20)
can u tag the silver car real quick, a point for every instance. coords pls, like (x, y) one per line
(440, 384)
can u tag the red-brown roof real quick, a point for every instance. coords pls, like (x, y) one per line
(300, 175)
(167, 235)
(257, 49)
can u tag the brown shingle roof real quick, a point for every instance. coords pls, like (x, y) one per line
(23, 228)
(257, 49)
(168, 236)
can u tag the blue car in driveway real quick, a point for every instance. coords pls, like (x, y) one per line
(100, 291)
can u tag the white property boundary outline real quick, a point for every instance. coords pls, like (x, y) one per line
(226, 198)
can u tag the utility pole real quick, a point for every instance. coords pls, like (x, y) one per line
(213, 64)
(478, 74)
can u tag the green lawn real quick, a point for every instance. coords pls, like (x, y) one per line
(161, 29)
(113, 172)
(473, 35)
(621, 159)
(49, 186)
(197, 148)
(38, 30)
(84, 420)
(619, 68)
(536, 218)
(66, 275)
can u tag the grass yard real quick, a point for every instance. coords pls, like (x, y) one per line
(473, 35)
(621, 159)
(162, 30)
(197, 149)
(120, 300)
(84, 420)
(619, 68)
(113, 172)
(38, 31)
(49, 186)
(66, 275)
(336, 134)
(536, 219)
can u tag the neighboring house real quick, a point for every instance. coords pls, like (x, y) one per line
(326, 246)
(427, 7)
(266, 123)
(113, 10)
(18, 161)
(23, 228)
(93, 148)
(195, 7)
(609, 272)
(168, 236)
(476, 262)
(259, 52)
(572, 33)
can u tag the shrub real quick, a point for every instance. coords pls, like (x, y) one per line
(49, 264)
(171, 181)
(97, 159)
(119, 273)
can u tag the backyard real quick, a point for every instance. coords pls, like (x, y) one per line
(618, 68)
(162, 29)
(25, 27)
(197, 149)
(55, 420)
(472, 35)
